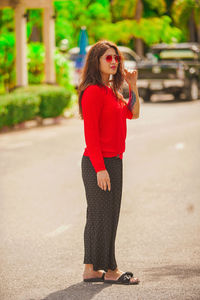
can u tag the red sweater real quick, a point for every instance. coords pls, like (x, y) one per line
(104, 124)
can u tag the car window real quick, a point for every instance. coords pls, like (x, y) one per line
(128, 56)
(185, 54)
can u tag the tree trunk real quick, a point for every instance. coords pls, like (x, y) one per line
(192, 29)
(138, 10)
(198, 33)
(139, 45)
(35, 34)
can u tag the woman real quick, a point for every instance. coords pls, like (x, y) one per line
(104, 112)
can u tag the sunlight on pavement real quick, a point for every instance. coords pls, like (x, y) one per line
(59, 230)
(179, 146)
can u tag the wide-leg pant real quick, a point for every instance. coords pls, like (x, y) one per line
(103, 209)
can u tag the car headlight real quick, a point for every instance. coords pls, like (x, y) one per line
(192, 70)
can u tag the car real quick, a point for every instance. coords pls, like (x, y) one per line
(130, 62)
(171, 68)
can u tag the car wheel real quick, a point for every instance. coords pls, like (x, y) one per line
(193, 90)
(177, 95)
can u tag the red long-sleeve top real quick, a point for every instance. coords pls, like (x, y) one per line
(104, 124)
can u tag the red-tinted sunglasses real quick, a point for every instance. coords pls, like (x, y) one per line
(109, 58)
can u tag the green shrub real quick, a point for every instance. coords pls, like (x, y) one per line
(26, 103)
(17, 108)
(35, 57)
(36, 62)
(62, 70)
(7, 60)
(53, 103)
(53, 99)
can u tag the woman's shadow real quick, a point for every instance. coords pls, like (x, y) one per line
(78, 291)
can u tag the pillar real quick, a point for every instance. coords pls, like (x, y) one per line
(21, 61)
(49, 43)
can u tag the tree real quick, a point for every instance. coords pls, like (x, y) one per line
(186, 15)
(146, 20)
(7, 45)
(73, 14)
(139, 45)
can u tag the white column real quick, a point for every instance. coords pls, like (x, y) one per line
(20, 32)
(49, 43)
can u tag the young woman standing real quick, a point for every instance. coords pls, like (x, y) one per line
(104, 112)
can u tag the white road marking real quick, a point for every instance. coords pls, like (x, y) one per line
(19, 145)
(179, 146)
(59, 230)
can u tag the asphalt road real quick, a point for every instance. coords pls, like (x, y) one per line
(42, 209)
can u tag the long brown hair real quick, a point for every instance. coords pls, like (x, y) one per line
(91, 74)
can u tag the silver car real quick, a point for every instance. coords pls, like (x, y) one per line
(130, 62)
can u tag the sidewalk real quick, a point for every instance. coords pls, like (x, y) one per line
(69, 113)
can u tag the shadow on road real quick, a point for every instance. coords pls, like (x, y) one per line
(180, 272)
(78, 291)
(166, 98)
(170, 101)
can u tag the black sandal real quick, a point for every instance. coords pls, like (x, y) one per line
(95, 279)
(123, 279)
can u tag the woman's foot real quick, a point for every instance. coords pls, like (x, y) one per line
(93, 274)
(115, 275)
(90, 273)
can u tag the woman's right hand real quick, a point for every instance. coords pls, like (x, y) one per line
(103, 180)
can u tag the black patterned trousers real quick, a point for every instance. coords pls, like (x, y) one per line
(103, 209)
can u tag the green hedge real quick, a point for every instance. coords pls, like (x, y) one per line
(26, 103)
(17, 108)
(54, 99)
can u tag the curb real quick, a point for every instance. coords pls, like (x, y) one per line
(39, 122)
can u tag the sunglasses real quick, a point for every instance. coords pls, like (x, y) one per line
(109, 58)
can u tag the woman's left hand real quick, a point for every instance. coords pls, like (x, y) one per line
(131, 77)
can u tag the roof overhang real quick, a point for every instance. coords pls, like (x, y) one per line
(26, 3)
(177, 46)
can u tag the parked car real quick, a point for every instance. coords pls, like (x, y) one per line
(173, 69)
(130, 62)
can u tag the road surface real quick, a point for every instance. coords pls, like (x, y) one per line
(42, 209)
